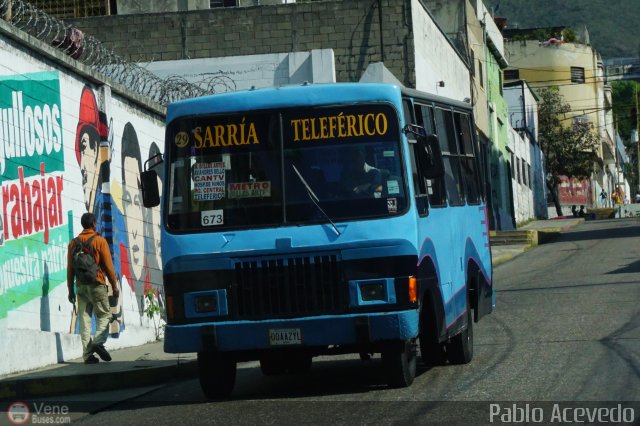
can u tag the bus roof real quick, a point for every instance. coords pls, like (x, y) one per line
(284, 97)
(305, 95)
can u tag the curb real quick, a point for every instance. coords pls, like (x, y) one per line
(499, 260)
(103, 381)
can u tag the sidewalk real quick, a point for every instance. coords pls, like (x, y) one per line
(131, 367)
(149, 365)
(540, 231)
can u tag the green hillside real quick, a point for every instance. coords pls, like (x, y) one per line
(613, 25)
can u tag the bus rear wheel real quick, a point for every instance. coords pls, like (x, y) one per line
(399, 363)
(217, 373)
(460, 349)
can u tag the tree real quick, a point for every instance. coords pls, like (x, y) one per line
(569, 149)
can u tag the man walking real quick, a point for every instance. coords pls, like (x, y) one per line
(603, 198)
(92, 293)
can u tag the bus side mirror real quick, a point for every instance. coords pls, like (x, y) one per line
(431, 157)
(150, 192)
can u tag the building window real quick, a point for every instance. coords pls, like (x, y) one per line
(480, 74)
(581, 119)
(512, 74)
(222, 3)
(473, 62)
(513, 174)
(529, 175)
(518, 170)
(577, 75)
(524, 173)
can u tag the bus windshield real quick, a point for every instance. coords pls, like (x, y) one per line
(240, 171)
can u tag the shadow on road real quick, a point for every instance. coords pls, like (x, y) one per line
(628, 228)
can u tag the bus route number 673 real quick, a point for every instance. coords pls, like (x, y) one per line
(211, 218)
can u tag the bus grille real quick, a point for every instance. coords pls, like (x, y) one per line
(288, 287)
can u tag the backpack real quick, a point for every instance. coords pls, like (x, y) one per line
(84, 264)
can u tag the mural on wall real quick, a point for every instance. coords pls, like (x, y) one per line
(575, 191)
(35, 228)
(42, 196)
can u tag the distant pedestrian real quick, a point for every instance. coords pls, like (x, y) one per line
(603, 198)
(582, 213)
(92, 293)
(574, 211)
(619, 196)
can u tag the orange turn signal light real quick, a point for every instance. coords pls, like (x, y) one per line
(170, 313)
(413, 290)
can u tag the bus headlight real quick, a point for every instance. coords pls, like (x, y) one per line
(373, 291)
(207, 303)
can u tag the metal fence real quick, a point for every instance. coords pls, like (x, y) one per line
(93, 53)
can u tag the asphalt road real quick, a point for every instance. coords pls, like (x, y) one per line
(566, 330)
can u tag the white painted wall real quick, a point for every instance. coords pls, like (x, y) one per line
(436, 59)
(45, 92)
(243, 72)
(523, 114)
(522, 191)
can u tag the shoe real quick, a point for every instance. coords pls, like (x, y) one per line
(91, 360)
(102, 352)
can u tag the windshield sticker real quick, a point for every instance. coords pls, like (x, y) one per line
(392, 205)
(182, 139)
(389, 153)
(249, 190)
(209, 181)
(393, 187)
(212, 217)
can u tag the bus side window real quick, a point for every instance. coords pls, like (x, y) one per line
(435, 187)
(468, 158)
(450, 156)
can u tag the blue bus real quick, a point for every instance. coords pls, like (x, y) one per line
(321, 219)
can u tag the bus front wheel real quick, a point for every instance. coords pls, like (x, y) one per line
(217, 373)
(399, 363)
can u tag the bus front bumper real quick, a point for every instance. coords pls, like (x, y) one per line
(320, 331)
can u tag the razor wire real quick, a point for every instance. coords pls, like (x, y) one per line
(92, 52)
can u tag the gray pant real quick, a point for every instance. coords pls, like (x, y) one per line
(92, 298)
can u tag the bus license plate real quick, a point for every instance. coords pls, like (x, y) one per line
(285, 336)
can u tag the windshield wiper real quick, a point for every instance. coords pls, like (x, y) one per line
(314, 198)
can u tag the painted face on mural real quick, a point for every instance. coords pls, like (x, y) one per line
(155, 223)
(89, 165)
(134, 213)
(132, 208)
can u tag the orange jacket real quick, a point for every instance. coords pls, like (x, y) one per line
(102, 256)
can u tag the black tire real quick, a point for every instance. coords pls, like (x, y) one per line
(431, 350)
(460, 349)
(399, 363)
(217, 374)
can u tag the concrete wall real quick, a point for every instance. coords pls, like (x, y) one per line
(127, 7)
(47, 103)
(351, 29)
